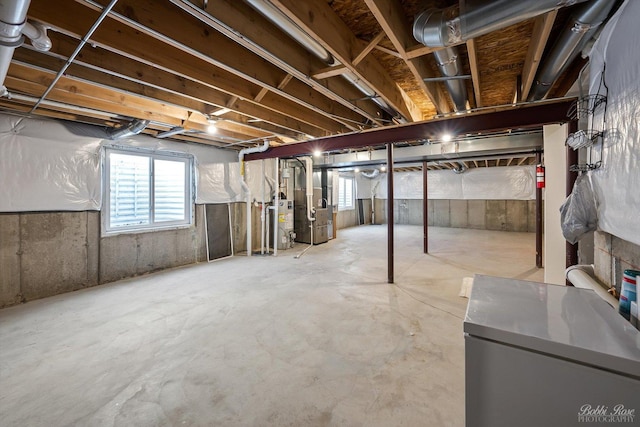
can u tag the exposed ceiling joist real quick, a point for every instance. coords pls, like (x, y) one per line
(319, 20)
(391, 18)
(541, 31)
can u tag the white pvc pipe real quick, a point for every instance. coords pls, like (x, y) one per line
(245, 187)
(583, 277)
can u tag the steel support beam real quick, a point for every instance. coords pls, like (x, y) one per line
(525, 116)
(390, 213)
(572, 159)
(425, 207)
(538, 218)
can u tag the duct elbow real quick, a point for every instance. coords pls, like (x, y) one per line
(37, 33)
(133, 128)
(431, 29)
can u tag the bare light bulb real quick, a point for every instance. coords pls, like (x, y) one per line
(446, 137)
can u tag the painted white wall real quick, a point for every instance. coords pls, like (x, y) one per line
(555, 161)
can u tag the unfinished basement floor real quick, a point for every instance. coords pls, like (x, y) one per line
(261, 341)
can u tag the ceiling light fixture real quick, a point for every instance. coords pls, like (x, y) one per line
(317, 153)
(356, 170)
(212, 128)
(383, 169)
(446, 137)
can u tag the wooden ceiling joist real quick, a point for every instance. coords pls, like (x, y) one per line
(391, 18)
(541, 31)
(319, 21)
(475, 72)
(243, 77)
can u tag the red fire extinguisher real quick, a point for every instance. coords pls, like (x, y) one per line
(539, 176)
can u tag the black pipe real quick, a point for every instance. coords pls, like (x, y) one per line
(572, 159)
(538, 217)
(390, 213)
(425, 207)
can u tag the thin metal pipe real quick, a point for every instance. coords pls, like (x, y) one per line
(425, 207)
(70, 60)
(262, 209)
(390, 213)
(538, 218)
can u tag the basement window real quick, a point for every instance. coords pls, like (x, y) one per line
(146, 190)
(345, 193)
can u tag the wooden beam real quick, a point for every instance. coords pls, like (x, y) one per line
(541, 30)
(475, 162)
(157, 57)
(486, 163)
(510, 160)
(390, 15)
(261, 94)
(254, 27)
(325, 73)
(522, 160)
(195, 49)
(157, 84)
(285, 81)
(416, 51)
(319, 21)
(475, 71)
(389, 51)
(368, 48)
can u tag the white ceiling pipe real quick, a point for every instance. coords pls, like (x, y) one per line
(13, 16)
(37, 33)
(245, 187)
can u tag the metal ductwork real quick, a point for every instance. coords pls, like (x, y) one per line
(450, 66)
(460, 169)
(273, 14)
(447, 27)
(13, 28)
(370, 175)
(135, 127)
(582, 26)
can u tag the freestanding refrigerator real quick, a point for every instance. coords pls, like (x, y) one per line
(546, 355)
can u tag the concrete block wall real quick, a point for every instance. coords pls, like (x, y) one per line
(349, 218)
(503, 215)
(613, 255)
(45, 254)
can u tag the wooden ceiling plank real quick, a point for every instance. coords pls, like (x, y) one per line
(244, 71)
(368, 48)
(325, 73)
(390, 16)
(388, 51)
(319, 20)
(541, 31)
(475, 71)
(261, 94)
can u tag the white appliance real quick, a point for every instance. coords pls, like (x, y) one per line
(547, 355)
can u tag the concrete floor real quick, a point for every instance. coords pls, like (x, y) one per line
(322, 340)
